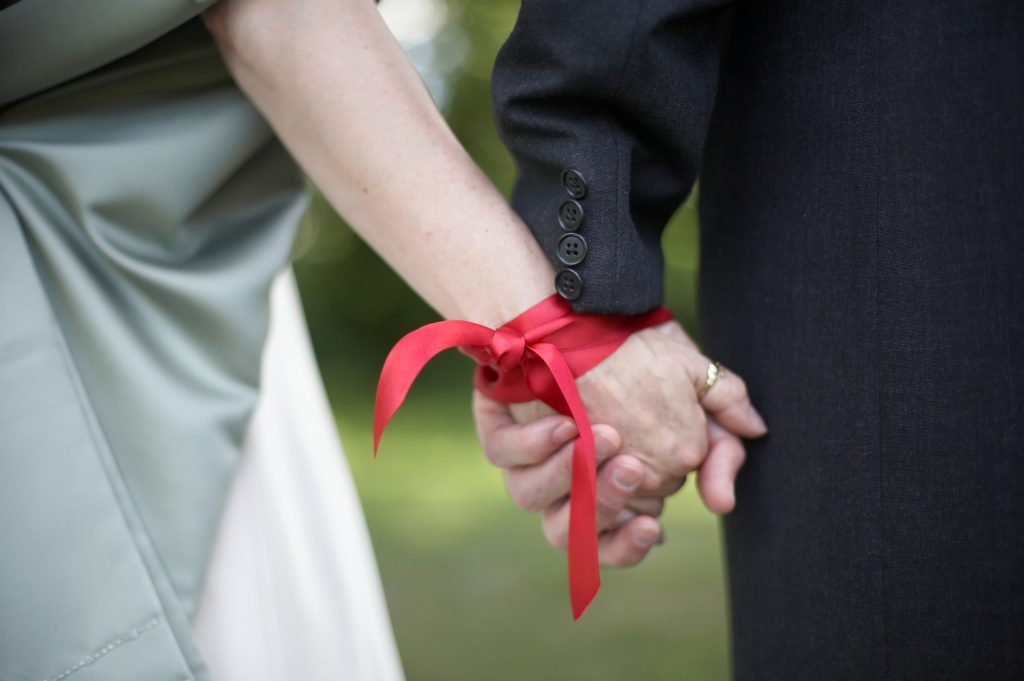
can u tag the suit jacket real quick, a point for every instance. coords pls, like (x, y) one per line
(620, 93)
(862, 234)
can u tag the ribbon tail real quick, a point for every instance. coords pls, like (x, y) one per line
(584, 565)
(407, 359)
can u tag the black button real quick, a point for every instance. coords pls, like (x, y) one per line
(568, 284)
(574, 184)
(572, 248)
(570, 215)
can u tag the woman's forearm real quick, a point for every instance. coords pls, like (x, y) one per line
(341, 94)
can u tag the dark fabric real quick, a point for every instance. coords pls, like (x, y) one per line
(862, 266)
(598, 88)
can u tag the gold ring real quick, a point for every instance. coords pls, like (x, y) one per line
(715, 372)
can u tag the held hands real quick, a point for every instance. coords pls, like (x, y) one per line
(654, 428)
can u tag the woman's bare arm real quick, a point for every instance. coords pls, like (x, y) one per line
(342, 96)
(344, 99)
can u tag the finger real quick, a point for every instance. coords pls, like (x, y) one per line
(536, 487)
(716, 478)
(691, 449)
(629, 544)
(636, 507)
(653, 507)
(507, 443)
(728, 401)
(554, 523)
(616, 482)
(524, 412)
(658, 485)
(617, 547)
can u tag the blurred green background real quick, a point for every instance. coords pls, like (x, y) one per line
(474, 590)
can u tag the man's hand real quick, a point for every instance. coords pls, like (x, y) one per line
(654, 428)
(649, 391)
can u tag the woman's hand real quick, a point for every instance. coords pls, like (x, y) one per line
(537, 457)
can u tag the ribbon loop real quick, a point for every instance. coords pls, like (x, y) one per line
(537, 355)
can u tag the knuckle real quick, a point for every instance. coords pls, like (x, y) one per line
(653, 481)
(655, 508)
(556, 534)
(688, 457)
(694, 449)
(677, 466)
(675, 484)
(523, 496)
(492, 453)
(645, 420)
(525, 493)
(565, 465)
(488, 451)
(621, 557)
(608, 500)
(522, 457)
(630, 559)
(614, 561)
(662, 440)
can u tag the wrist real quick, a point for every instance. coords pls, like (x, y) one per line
(507, 297)
(510, 273)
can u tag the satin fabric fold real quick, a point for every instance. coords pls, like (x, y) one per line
(537, 355)
(144, 210)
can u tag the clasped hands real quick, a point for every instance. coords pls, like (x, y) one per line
(653, 427)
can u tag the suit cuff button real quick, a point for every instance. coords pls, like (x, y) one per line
(568, 284)
(572, 248)
(570, 215)
(574, 183)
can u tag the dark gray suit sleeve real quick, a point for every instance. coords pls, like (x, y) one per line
(621, 92)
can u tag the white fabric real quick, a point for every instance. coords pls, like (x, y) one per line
(293, 590)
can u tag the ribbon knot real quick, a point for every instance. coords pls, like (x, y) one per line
(508, 348)
(537, 355)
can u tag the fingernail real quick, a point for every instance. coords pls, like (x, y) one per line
(627, 478)
(563, 432)
(756, 417)
(624, 516)
(645, 537)
(603, 447)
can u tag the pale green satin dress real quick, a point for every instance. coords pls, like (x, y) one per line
(145, 207)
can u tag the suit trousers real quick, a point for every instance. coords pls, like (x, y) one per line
(862, 267)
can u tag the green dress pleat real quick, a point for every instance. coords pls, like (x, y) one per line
(145, 207)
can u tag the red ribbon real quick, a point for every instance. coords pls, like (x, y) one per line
(537, 355)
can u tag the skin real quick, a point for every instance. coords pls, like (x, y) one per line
(646, 397)
(341, 95)
(343, 98)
